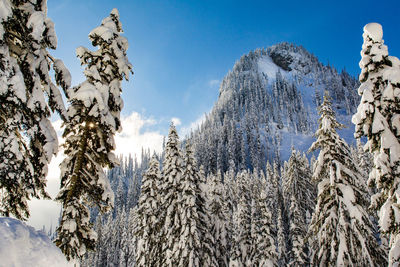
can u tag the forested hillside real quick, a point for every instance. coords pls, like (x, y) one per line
(267, 103)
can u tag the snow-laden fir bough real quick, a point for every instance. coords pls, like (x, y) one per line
(27, 138)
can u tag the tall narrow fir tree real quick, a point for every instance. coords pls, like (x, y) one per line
(89, 136)
(378, 118)
(341, 232)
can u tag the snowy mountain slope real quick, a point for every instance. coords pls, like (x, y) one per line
(268, 103)
(21, 245)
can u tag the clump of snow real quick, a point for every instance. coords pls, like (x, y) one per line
(37, 23)
(21, 245)
(5, 12)
(374, 31)
(104, 32)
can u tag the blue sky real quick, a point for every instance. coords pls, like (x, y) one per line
(181, 49)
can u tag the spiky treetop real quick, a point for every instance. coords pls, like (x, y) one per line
(147, 214)
(171, 195)
(190, 216)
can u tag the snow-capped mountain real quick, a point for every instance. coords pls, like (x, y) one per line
(268, 103)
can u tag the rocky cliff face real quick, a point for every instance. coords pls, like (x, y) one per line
(268, 103)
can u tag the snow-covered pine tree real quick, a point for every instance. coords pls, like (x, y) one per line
(228, 208)
(120, 196)
(148, 246)
(378, 118)
(89, 136)
(116, 237)
(190, 233)
(27, 138)
(281, 217)
(242, 243)
(207, 253)
(270, 192)
(297, 234)
(341, 232)
(130, 240)
(264, 250)
(219, 221)
(298, 187)
(171, 200)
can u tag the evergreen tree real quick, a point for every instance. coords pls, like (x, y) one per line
(120, 196)
(147, 215)
(228, 209)
(190, 219)
(219, 221)
(341, 232)
(264, 253)
(377, 118)
(298, 188)
(171, 200)
(207, 253)
(280, 217)
(27, 137)
(89, 136)
(297, 232)
(116, 238)
(130, 240)
(242, 244)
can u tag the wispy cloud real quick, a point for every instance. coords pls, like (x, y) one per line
(176, 121)
(214, 83)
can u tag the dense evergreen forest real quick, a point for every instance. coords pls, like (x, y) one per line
(274, 176)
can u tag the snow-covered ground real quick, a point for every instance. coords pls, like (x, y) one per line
(21, 245)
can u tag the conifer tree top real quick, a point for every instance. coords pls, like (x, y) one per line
(327, 123)
(374, 31)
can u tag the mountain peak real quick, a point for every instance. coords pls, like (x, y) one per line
(271, 95)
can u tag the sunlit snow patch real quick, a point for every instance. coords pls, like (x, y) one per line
(21, 245)
(267, 66)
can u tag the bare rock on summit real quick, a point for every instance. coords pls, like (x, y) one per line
(282, 59)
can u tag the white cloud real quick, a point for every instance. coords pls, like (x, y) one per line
(130, 140)
(176, 121)
(214, 83)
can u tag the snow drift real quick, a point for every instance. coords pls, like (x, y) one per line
(21, 245)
